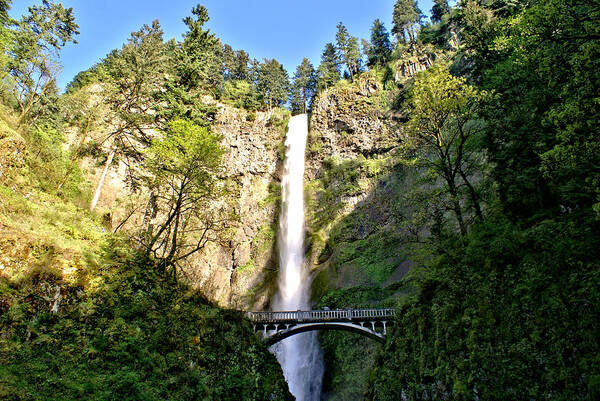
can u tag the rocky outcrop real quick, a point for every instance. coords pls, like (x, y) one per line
(242, 272)
(239, 270)
(348, 121)
(352, 185)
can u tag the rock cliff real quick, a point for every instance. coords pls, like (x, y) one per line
(239, 271)
(352, 188)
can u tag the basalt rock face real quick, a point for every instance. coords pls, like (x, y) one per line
(353, 186)
(240, 269)
(241, 272)
(348, 121)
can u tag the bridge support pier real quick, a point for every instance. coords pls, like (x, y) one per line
(384, 330)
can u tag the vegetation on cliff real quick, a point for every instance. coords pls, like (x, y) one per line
(95, 310)
(491, 195)
(453, 174)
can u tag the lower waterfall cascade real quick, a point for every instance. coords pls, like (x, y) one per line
(300, 356)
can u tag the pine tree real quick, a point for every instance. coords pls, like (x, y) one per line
(348, 50)
(229, 62)
(201, 65)
(303, 87)
(328, 72)
(440, 8)
(240, 71)
(380, 48)
(273, 83)
(407, 17)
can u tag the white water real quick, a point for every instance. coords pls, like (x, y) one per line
(299, 355)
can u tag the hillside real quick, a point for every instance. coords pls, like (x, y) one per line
(451, 173)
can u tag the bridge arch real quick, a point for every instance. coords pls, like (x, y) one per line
(278, 325)
(279, 335)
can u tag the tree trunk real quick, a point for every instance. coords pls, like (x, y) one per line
(150, 214)
(472, 195)
(102, 178)
(456, 204)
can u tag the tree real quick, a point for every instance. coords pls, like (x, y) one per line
(200, 65)
(303, 86)
(240, 71)
(273, 83)
(406, 19)
(229, 61)
(134, 78)
(328, 72)
(380, 47)
(33, 57)
(182, 168)
(442, 134)
(543, 135)
(84, 110)
(439, 9)
(348, 50)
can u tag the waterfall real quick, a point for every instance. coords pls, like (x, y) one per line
(299, 355)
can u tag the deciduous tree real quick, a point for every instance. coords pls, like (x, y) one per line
(35, 47)
(442, 134)
(182, 168)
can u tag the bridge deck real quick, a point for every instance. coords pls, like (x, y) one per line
(338, 315)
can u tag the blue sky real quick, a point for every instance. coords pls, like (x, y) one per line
(282, 29)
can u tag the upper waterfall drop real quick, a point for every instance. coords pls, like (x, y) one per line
(300, 355)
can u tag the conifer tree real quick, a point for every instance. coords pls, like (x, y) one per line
(380, 47)
(348, 50)
(201, 65)
(240, 70)
(303, 87)
(407, 17)
(440, 8)
(328, 72)
(273, 83)
(229, 61)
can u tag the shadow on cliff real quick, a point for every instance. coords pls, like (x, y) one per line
(366, 246)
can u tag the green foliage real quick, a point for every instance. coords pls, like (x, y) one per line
(272, 84)
(376, 256)
(303, 87)
(494, 316)
(544, 133)
(328, 72)
(348, 50)
(129, 334)
(241, 94)
(380, 48)
(182, 168)
(200, 64)
(36, 43)
(439, 9)
(48, 165)
(406, 18)
(443, 134)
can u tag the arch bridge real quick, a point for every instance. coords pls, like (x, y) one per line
(278, 325)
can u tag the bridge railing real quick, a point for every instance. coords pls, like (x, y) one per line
(321, 315)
